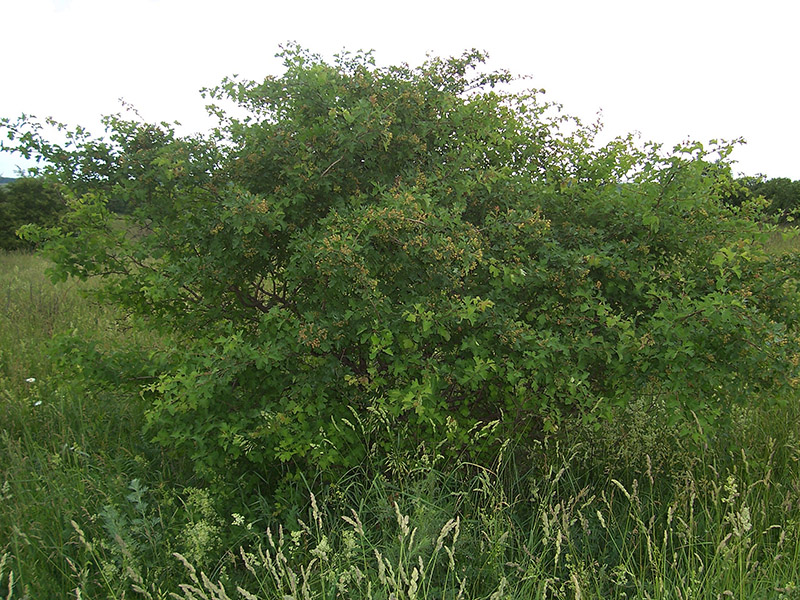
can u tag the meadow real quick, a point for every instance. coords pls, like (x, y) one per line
(90, 507)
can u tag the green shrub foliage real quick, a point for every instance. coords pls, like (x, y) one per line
(23, 201)
(418, 247)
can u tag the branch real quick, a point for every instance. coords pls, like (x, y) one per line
(330, 166)
(248, 301)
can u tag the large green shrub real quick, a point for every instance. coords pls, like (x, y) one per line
(27, 200)
(384, 258)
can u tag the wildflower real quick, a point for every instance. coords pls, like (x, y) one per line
(37, 403)
(31, 380)
(323, 549)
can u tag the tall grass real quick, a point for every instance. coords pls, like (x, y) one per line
(90, 508)
(69, 448)
(725, 527)
(785, 239)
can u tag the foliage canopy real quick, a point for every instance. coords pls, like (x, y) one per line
(419, 248)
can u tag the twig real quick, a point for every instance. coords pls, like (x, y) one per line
(330, 166)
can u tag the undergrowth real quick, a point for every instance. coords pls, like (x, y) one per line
(89, 507)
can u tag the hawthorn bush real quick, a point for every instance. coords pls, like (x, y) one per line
(361, 259)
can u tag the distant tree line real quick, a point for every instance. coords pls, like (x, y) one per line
(782, 193)
(27, 200)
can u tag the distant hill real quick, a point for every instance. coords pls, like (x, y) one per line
(6, 180)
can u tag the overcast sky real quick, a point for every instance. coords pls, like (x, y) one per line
(672, 70)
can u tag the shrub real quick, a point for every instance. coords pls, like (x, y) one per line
(418, 246)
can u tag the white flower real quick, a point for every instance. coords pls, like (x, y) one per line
(31, 380)
(37, 403)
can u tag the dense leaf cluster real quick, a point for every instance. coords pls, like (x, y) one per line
(421, 248)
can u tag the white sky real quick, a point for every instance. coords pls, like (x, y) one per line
(672, 70)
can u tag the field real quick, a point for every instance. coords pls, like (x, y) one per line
(90, 508)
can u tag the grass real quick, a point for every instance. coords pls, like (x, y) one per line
(785, 239)
(69, 448)
(89, 508)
